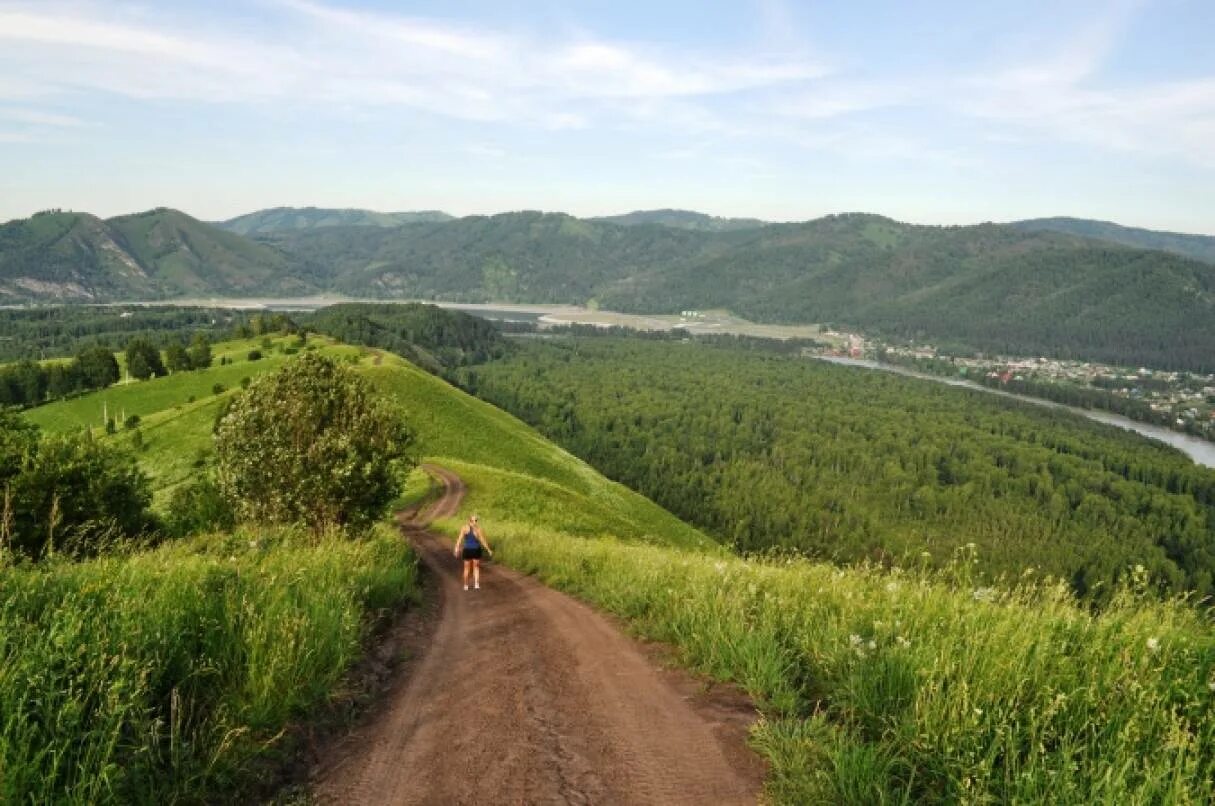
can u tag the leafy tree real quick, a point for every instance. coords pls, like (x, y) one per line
(64, 379)
(177, 359)
(200, 351)
(311, 444)
(255, 355)
(143, 360)
(98, 367)
(68, 491)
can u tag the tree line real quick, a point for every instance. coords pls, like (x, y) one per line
(30, 383)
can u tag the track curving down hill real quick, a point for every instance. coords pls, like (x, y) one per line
(523, 695)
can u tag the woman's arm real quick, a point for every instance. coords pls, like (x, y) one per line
(455, 550)
(481, 537)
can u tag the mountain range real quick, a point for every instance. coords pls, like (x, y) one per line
(1020, 288)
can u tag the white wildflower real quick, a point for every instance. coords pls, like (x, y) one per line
(891, 587)
(1153, 644)
(872, 644)
(984, 594)
(1211, 685)
(854, 640)
(903, 642)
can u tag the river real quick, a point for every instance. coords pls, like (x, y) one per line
(1200, 450)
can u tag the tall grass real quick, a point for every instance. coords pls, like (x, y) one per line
(167, 675)
(882, 687)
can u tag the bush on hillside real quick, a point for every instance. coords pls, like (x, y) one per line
(198, 507)
(311, 444)
(66, 492)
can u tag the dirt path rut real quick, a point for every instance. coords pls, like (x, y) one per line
(526, 696)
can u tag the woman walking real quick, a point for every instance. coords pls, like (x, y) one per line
(469, 545)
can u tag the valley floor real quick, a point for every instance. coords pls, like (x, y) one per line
(526, 695)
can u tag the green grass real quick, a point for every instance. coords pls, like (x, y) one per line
(901, 688)
(169, 675)
(156, 394)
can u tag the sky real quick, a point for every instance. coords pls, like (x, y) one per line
(930, 112)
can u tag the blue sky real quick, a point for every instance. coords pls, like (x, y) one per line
(946, 112)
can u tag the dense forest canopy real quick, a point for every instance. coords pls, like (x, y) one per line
(429, 336)
(770, 451)
(990, 287)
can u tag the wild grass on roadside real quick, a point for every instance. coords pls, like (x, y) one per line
(882, 687)
(166, 675)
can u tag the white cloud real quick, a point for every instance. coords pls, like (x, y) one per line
(338, 55)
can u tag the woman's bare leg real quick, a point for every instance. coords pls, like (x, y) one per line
(476, 564)
(467, 568)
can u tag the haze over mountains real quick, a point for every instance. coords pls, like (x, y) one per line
(1020, 288)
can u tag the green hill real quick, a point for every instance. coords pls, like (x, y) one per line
(293, 218)
(513, 473)
(1199, 247)
(682, 219)
(75, 257)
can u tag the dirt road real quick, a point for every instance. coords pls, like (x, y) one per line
(526, 696)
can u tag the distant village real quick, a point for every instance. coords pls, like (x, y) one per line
(1183, 401)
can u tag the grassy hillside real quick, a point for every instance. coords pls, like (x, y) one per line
(508, 465)
(170, 675)
(876, 686)
(1199, 247)
(293, 218)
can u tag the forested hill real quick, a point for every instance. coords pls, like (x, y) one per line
(1199, 247)
(292, 218)
(76, 257)
(991, 287)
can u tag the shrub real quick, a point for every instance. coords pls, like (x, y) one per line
(255, 355)
(67, 491)
(131, 422)
(218, 389)
(197, 507)
(311, 444)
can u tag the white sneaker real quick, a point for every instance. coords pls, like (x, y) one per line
(478, 587)
(465, 587)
